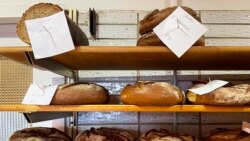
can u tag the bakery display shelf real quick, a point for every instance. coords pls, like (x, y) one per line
(123, 108)
(136, 58)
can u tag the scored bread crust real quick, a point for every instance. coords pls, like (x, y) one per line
(165, 135)
(80, 93)
(104, 134)
(223, 134)
(34, 12)
(39, 134)
(152, 93)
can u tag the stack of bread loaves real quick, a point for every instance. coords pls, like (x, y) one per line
(150, 21)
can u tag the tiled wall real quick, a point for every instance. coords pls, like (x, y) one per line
(119, 28)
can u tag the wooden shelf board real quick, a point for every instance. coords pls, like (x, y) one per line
(123, 108)
(145, 58)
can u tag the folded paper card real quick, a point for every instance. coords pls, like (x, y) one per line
(209, 87)
(179, 31)
(49, 36)
(39, 95)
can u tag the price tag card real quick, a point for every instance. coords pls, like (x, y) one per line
(209, 87)
(39, 94)
(246, 127)
(49, 36)
(179, 31)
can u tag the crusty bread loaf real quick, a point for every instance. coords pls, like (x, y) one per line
(39, 134)
(104, 134)
(42, 10)
(233, 95)
(80, 93)
(152, 93)
(165, 135)
(222, 134)
(151, 20)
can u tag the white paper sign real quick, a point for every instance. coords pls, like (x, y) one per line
(209, 87)
(179, 31)
(246, 127)
(39, 94)
(49, 36)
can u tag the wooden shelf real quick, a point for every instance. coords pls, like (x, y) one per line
(143, 58)
(123, 108)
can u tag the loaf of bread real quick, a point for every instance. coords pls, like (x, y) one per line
(233, 95)
(165, 135)
(39, 134)
(222, 134)
(151, 20)
(152, 93)
(42, 10)
(80, 93)
(104, 134)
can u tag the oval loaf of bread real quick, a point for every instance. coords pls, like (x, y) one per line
(233, 95)
(80, 93)
(152, 93)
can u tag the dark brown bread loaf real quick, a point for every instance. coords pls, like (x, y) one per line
(104, 134)
(80, 93)
(42, 10)
(165, 135)
(39, 134)
(222, 134)
(152, 93)
(150, 21)
(233, 95)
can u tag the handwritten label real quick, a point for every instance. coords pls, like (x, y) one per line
(39, 95)
(209, 87)
(246, 127)
(179, 31)
(49, 36)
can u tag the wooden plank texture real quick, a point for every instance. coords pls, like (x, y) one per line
(123, 108)
(225, 16)
(156, 58)
(147, 58)
(236, 31)
(113, 31)
(110, 17)
(227, 42)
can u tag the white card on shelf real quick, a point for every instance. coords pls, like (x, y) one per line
(179, 31)
(39, 95)
(49, 36)
(246, 127)
(209, 87)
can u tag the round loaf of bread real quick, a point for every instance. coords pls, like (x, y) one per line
(233, 95)
(42, 10)
(39, 134)
(80, 93)
(104, 134)
(222, 134)
(152, 93)
(165, 135)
